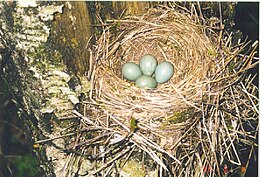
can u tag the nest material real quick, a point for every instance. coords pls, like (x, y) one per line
(195, 119)
(169, 36)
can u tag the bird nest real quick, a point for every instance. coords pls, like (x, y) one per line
(188, 126)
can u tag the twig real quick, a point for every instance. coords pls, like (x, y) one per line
(119, 155)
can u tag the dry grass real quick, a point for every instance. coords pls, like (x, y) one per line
(193, 122)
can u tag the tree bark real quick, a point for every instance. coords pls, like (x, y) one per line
(42, 55)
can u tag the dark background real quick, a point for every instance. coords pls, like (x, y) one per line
(247, 21)
(18, 152)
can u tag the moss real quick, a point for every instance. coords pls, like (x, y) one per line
(134, 169)
(133, 124)
(178, 117)
(74, 43)
(212, 52)
(25, 164)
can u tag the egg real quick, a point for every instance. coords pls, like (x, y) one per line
(163, 72)
(131, 71)
(145, 81)
(148, 64)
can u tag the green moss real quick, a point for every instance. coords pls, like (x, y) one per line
(212, 52)
(74, 43)
(25, 166)
(134, 169)
(176, 118)
(115, 27)
(133, 124)
(179, 116)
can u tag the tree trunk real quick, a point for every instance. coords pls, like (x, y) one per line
(43, 60)
(42, 56)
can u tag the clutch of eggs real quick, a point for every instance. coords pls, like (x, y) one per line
(148, 73)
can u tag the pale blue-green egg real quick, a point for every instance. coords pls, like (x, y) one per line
(163, 72)
(148, 64)
(131, 71)
(145, 81)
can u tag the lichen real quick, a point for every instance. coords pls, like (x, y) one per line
(29, 31)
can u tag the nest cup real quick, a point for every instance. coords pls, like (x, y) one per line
(169, 36)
